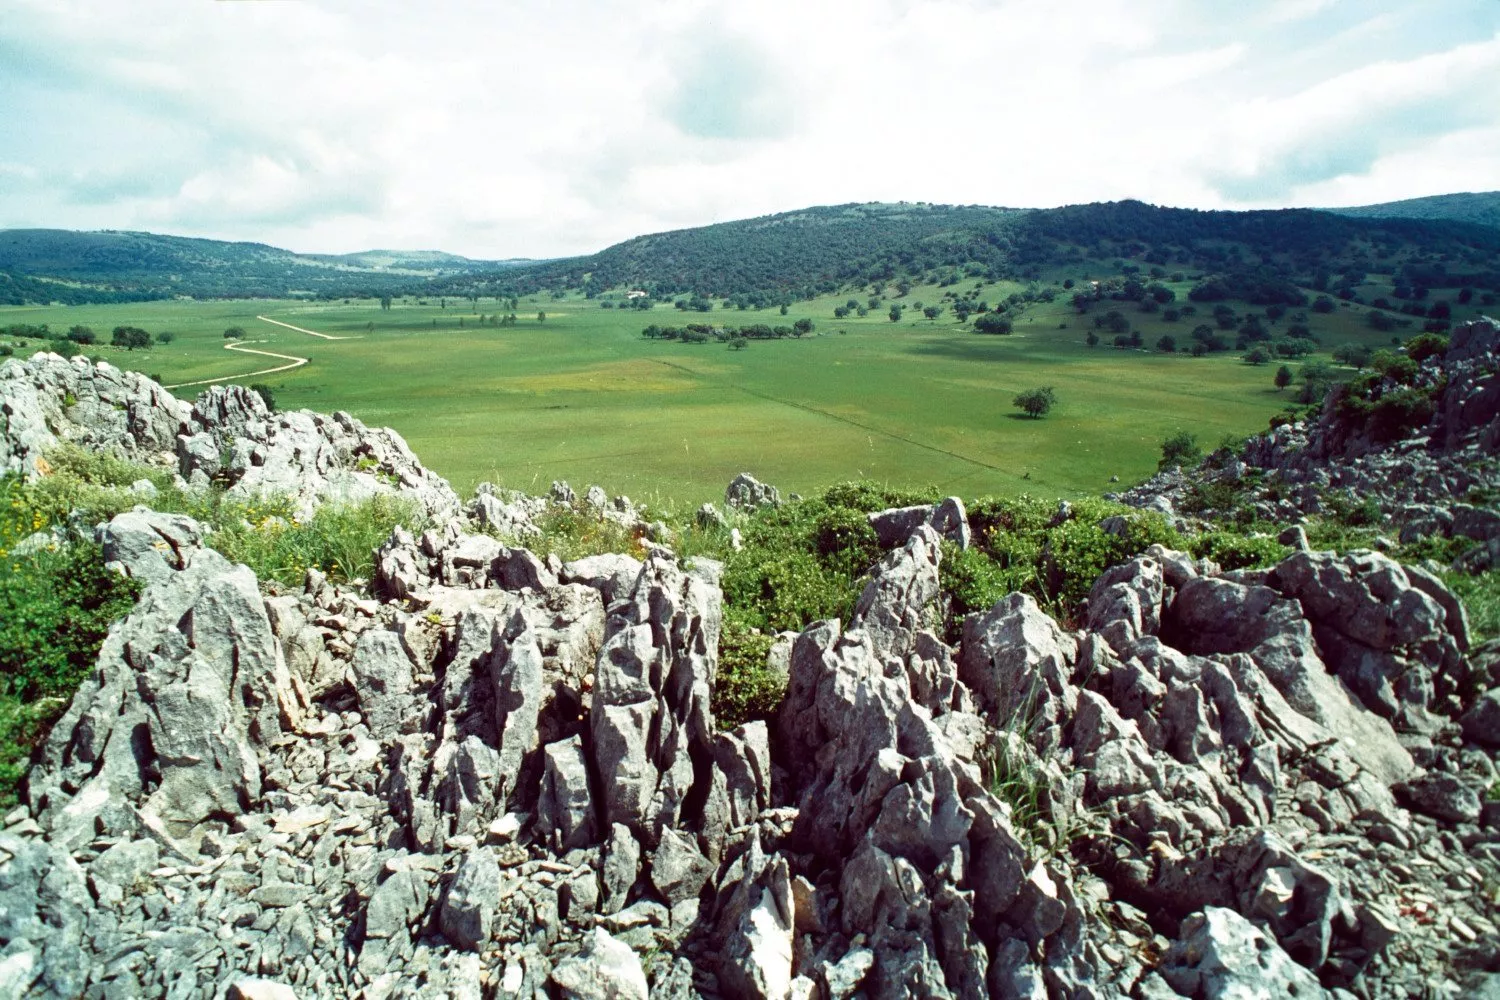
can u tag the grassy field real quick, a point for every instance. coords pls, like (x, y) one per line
(582, 396)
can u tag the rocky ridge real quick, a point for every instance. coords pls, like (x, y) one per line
(491, 773)
(1420, 481)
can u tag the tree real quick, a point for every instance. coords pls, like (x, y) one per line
(234, 333)
(1179, 449)
(802, 326)
(1283, 377)
(81, 335)
(130, 337)
(1257, 356)
(993, 323)
(1167, 344)
(1035, 402)
(1092, 339)
(738, 343)
(895, 314)
(541, 317)
(385, 303)
(264, 392)
(1353, 355)
(165, 337)
(1323, 304)
(932, 312)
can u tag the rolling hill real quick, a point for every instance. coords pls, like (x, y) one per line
(815, 251)
(1480, 208)
(793, 256)
(77, 267)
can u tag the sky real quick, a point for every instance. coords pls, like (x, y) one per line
(544, 128)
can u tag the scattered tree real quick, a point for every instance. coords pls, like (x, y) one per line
(541, 317)
(165, 337)
(802, 326)
(1035, 402)
(1167, 344)
(895, 314)
(1283, 377)
(81, 335)
(264, 392)
(738, 343)
(234, 333)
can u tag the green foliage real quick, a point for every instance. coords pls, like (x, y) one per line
(1480, 593)
(57, 602)
(1036, 403)
(1426, 345)
(266, 393)
(1179, 449)
(130, 338)
(745, 688)
(338, 539)
(1232, 550)
(234, 333)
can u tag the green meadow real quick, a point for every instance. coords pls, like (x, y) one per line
(582, 396)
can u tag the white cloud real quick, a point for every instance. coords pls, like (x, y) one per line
(538, 129)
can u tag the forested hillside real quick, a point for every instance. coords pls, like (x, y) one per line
(817, 251)
(1481, 208)
(58, 265)
(780, 258)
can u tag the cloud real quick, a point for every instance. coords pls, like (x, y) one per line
(1345, 125)
(544, 129)
(728, 89)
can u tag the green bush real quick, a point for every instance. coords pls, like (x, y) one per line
(56, 606)
(1232, 550)
(745, 688)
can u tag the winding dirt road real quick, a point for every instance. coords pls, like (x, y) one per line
(296, 362)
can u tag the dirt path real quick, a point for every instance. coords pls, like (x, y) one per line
(310, 333)
(296, 362)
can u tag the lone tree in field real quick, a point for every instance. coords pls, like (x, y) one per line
(1283, 377)
(234, 333)
(130, 337)
(1035, 402)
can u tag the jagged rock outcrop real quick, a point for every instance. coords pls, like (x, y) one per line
(50, 400)
(748, 493)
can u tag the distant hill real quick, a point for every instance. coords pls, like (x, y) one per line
(65, 266)
(1481, 208)
(795, 255)
(821, 250)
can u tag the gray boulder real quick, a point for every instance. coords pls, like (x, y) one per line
(747, 493)
(605, 969)
(472, 901)
(1222, 956)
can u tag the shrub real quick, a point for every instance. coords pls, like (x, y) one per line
(1179, 449)
(1424, 346)
(1232, 550)
(56, 606)
(745, 688)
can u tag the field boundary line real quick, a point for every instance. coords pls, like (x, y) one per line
(844, 420)
(872, 429)
(310, 333)
(296, 362)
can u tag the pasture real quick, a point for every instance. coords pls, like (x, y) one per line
(582, 396)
